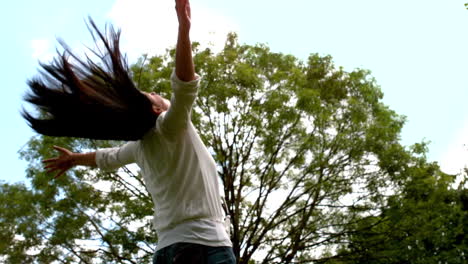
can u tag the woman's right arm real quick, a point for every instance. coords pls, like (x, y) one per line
(106, 159)
(67, 159)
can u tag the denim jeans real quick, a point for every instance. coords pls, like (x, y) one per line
(189, 253)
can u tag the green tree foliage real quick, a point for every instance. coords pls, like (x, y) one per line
(88, 216)
(307, 154)
(303, 148)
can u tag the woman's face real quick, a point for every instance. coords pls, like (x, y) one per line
(160, 104)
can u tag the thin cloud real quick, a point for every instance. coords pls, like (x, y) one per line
(150, 26)
(455, 158)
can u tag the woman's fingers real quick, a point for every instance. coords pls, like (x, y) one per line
(55, 166)
(49, 166)
(51, 169)
(61, 163)
(60, 173)
(63, 150)
(50, 160)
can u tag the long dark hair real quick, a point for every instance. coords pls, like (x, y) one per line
(87, 99)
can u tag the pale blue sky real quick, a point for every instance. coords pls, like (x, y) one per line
(417, 51)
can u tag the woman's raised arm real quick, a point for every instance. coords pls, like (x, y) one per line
(185, 70)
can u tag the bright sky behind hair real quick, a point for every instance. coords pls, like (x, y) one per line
(416, 50)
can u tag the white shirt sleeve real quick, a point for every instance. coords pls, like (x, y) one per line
(109, 159)
(178, 116)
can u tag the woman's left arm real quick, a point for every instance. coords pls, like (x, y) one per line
(184, 68)
(184, 80)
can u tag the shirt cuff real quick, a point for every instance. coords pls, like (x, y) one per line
(99, 159)
(105, 159)
(190, 84)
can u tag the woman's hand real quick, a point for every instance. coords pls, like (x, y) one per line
(67, 160)
(61, 163)
(184, 14)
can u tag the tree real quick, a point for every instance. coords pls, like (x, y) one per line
(305, 150)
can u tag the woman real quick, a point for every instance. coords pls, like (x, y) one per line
(101, 102)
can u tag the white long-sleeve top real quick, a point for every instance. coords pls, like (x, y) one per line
(179, 173)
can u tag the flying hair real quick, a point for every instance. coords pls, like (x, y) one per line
(86, 99)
